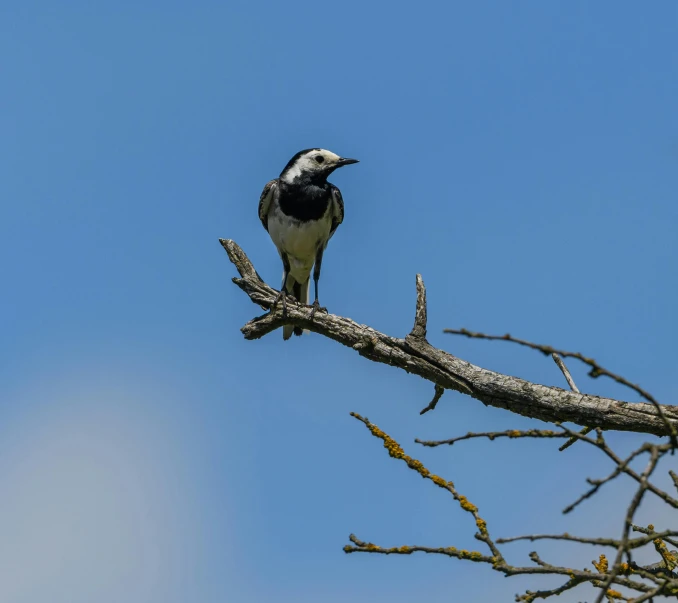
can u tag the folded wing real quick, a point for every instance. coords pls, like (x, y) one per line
(268, 194)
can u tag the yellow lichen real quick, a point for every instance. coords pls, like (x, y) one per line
(438, 481)
(601, 565)
(394, 450)
(467, 505)
(669, 560)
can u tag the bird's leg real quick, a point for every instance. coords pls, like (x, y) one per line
(316, 277)
(280, 297)
(283, 289)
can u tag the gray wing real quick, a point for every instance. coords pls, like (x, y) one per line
(337, 209)
(268, 194)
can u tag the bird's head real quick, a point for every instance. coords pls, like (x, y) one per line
(313, 165)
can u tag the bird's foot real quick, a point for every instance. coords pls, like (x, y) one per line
(316, 307)
(282, 296)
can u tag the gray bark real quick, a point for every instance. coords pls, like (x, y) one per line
(415, 355)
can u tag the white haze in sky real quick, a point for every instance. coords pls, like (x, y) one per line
(94, 501)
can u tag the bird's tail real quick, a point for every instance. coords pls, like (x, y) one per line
(300, 292)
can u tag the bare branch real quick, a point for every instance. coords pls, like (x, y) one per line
(628, 521)
(621, 465)
(419, 328)
(414, 354)
(449, 372)
(394, 450)
(633, 543)
(450, 551)
(596, 371)
(437, 394)
(493, 435)
(563, 368)
(497, 561)
(545, 594)
(654, 535)
(561, 365)
(598, 483)
(653, 593)
(674, 477)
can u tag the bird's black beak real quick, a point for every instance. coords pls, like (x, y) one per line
(344, 161)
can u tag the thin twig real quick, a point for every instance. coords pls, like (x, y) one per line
(561, 365)
(493, 435)
(570, 381)
(674, 477)
(632, 543)
(437, 394)
(652, 534)
(395, 450)
(653, 593)
(621, 465)
(628, 521)
(598, 483)
(450, 551)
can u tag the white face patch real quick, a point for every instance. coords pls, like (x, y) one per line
(308, 163)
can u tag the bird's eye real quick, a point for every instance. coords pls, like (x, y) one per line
(319, 158)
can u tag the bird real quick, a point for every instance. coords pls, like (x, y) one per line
(301, 211)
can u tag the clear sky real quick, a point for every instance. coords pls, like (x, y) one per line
(521, 155)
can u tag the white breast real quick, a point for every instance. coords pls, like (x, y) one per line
(298, 240)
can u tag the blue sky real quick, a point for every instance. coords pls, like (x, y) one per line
(521, 155)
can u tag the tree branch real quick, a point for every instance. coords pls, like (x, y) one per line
(660, 576)
(611, 542)
(596, 371)
(415, 355)
(621, 465)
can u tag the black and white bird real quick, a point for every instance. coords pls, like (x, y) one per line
(301, 211)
